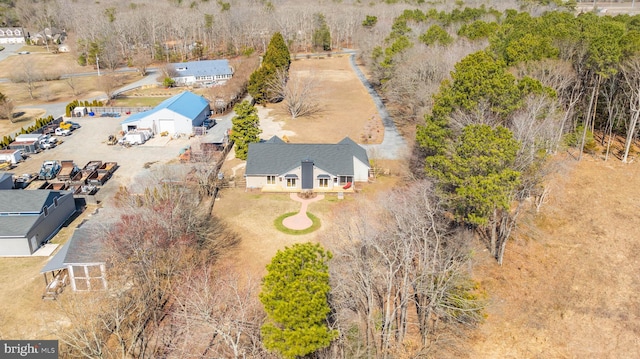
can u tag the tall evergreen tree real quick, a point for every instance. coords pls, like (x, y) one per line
(295, 296)
(321, 34)
(277, 58)
(278, 53)
(245, 129)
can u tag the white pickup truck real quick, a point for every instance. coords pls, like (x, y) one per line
(62, 132)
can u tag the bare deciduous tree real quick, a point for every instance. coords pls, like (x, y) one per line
(109, 83)
(28, 75)
(631, 75)
(298, 93)
(397, 254)
(220, 314)
(141, 59)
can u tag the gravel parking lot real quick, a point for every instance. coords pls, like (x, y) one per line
(90, 143)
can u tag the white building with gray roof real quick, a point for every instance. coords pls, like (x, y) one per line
(205, 73)
(277, 166)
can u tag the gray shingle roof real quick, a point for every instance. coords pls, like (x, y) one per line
(275, 157)
(16, 226)
(21, 201)
(84, 246)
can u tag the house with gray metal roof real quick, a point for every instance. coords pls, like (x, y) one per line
(80, 262)
(178, 114)
(30, 218)
(205, 73)
(277, 166)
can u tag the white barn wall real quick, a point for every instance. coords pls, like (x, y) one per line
(181, 124)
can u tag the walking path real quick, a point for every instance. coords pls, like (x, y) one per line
(300, 220)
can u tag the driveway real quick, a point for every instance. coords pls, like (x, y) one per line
(10, 50)
(393, 145)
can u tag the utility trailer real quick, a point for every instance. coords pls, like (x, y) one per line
(68, 171)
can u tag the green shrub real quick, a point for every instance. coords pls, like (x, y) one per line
(574, 139)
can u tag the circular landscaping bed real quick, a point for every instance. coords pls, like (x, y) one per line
(284, 229)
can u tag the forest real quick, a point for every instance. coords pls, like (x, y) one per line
(487, 92)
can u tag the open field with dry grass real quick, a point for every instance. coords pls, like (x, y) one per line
(347, 108)
(568, 287)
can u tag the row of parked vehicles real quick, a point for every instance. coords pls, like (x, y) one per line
(69, 176)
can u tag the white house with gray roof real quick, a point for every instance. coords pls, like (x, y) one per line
(12, 35)
(204, 73)
(29, 218)
(277, 166)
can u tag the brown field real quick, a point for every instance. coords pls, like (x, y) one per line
(347, 108)
(569, 284)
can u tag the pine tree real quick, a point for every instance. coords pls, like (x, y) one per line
(246, 128)
(277, 58)
(278, 53)
(322, 34)
(294, 295)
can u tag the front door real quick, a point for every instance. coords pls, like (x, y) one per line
(307, 174)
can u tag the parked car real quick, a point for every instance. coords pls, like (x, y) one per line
(48, 142)
(208, 123)
(74, 125)
(23, 53)
(62, 132)
(46, 145)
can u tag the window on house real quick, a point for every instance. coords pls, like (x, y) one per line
(291, 182)
(345, 179)
(55, 202)
(17, 32)
(271, 179)
(323, 182)
(46, 211)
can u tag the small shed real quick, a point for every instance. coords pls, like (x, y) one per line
(13, 156)
(80, 111)
(79, 263)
